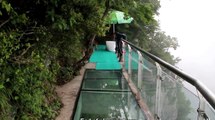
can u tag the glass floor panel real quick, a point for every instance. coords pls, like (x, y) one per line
(102, 74)
(105, 95)
(98, 105)
(106, 84)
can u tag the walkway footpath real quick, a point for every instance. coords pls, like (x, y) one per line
(69, 92)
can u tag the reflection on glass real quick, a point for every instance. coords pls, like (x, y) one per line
(148, 87)
(134, 67)
(210, 112)
(106, 95)
(102, 74)
(126, 59)
(105, 84)
(176, 102)
(108, 105)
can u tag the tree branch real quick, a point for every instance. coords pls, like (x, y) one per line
(22, 61)
(89, 50)
(25, 51)
(29, 33)
(17, 58)
(4, 22)
(107, 7)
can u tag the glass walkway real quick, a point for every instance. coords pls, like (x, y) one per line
(162, 91)
(105, 95)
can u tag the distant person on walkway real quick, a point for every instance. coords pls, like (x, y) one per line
(119, 51)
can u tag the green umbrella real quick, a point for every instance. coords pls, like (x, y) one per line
(117, 17)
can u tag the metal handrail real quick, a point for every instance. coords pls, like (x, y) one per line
(208, 95)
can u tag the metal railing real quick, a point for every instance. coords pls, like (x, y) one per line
(163, 81)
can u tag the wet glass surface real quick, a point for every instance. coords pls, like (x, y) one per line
(177, 102)
(110, 84)
(102, 74)
(167, 95)
(106, 95)
(107, 105)
(126, 58)
(210, 112)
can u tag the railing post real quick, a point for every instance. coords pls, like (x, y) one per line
(129, 60)
(123, 52)
(158, 92)
(140, 64)
(201, 110)
(206, 93)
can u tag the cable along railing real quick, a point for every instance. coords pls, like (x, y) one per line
(168, 92)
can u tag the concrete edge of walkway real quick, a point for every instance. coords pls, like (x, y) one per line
(68, 94)
(138, 97)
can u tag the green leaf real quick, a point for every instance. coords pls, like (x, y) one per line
(6, 6)
(16, 97)
(1, 86)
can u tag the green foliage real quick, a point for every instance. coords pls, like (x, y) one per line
(6, 6)
(152, 40)
(41, 41)
(160, 43)
(144, 31)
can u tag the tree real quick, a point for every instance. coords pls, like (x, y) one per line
(160, 43)
(43, 41)
(40, 40)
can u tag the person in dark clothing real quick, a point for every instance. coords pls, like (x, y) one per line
(118, 49)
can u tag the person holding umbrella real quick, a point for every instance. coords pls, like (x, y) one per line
(118, 17)
(119, 44)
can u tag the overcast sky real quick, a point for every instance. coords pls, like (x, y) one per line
(193, 23)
